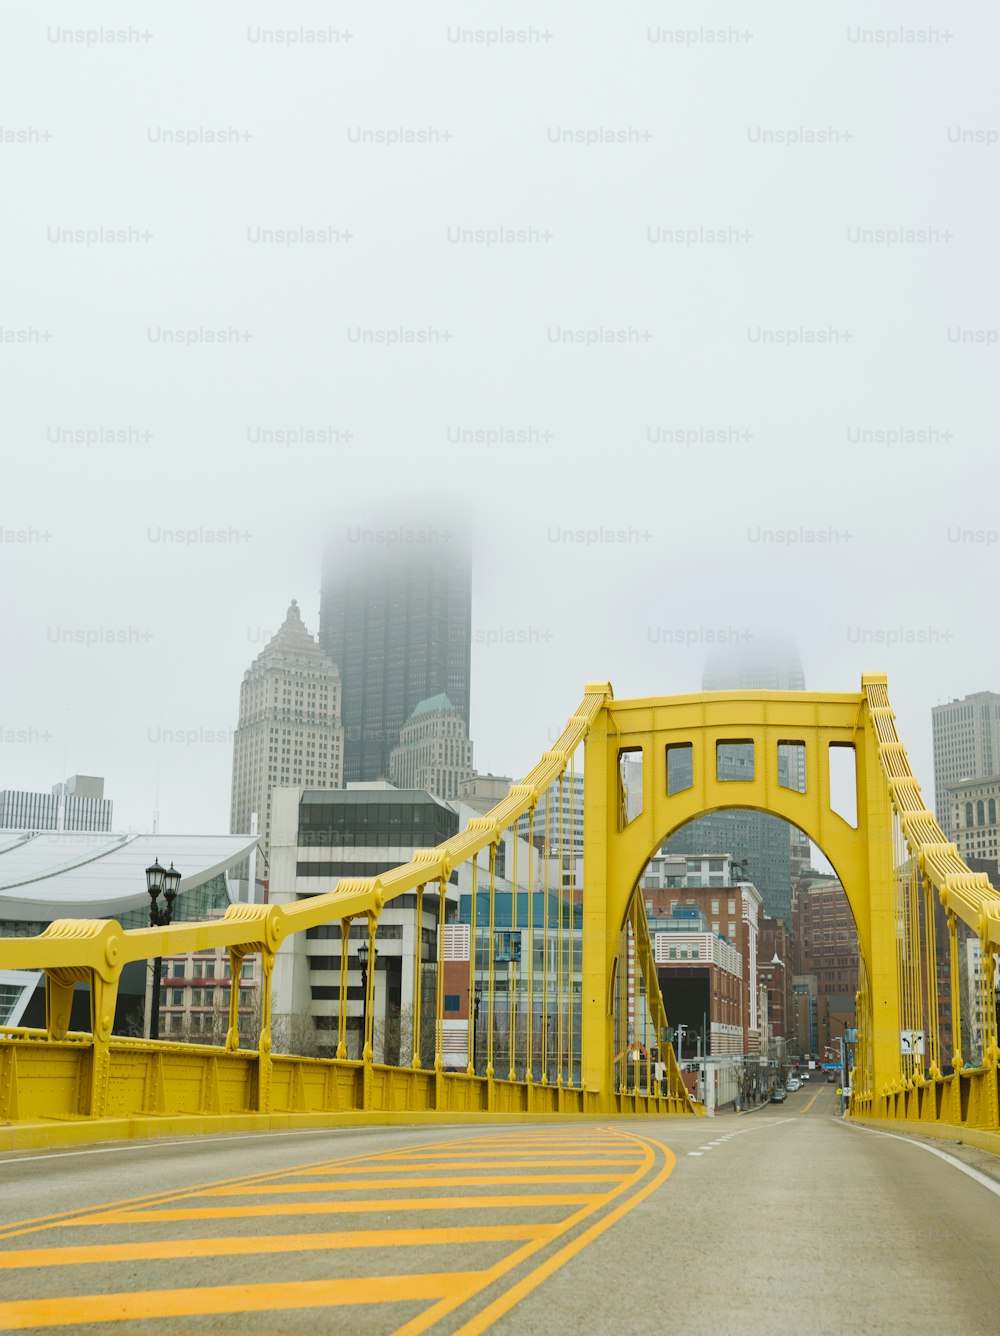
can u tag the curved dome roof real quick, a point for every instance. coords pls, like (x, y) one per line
(86, 874)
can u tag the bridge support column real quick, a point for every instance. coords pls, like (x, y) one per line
(596, 1005)
(883, 967)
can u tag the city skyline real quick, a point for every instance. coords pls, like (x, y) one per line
(202, 737)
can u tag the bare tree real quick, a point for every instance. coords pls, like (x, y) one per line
(294, 1033)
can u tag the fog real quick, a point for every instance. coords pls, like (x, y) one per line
(698, 336)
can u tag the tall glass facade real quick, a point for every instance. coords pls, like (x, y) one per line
(399, 627)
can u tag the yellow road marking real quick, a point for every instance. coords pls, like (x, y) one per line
(492, 1162)
(335, 1208)
(531, 1282)
(446, 1291)
(534, 1148)
(463, 1292)
(812, 1102)
(35, 1223)
(142, 1305)
(557, 1162)
(452, 1181)
(166, 1249)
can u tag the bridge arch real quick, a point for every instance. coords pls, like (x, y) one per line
(737, 807)
(619, 843)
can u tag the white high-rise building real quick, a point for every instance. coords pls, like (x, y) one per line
(973, 809)
(966, 746)
(79, 804)
(289, 730)
(434, 750)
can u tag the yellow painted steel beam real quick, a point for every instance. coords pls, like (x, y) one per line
(89, 1078)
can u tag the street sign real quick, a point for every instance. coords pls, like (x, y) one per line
(911, 1043)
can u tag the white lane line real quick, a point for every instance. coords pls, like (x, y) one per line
(987, 1182)
(694, 1152)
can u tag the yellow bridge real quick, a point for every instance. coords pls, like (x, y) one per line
(894, 864)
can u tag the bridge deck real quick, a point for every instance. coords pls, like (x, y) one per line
(774, 1219)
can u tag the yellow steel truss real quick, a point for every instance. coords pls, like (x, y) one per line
(893, 862)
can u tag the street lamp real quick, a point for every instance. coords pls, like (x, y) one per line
(159, 879)
(680, 1036)
(477, 997)
(363, 962)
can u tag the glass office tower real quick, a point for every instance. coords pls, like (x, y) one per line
(397, 620)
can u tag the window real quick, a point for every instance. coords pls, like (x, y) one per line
(792, 766)
(734, 760)
(980, 813)
(680, 767)
(630, 783)
(451, 1001)
(715, 906)
(843, 773)
(732, 905)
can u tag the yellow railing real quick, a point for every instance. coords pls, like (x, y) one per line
(929, 870)
(54, 1073)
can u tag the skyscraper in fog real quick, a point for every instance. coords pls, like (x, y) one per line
(769, 851)
(289, 730)
(396, 618)
(762, 664)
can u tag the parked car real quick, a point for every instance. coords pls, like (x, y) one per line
(778, 1096)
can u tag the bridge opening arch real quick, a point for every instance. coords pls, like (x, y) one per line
(809, 761)
(755, 952)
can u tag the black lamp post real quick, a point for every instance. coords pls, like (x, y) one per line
(363, 962)
(157, 880)
(477, 997)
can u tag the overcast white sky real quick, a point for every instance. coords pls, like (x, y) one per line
(128, 624)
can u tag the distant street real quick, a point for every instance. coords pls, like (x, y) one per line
(778, 1219)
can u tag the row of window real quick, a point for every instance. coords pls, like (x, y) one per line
(981, 811)
(203, 969)
(196, 997)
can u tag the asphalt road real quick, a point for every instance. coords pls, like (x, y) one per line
(780, 1219)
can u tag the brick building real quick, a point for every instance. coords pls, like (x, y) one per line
(825, 948)
(723, 917)
(774, 970)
